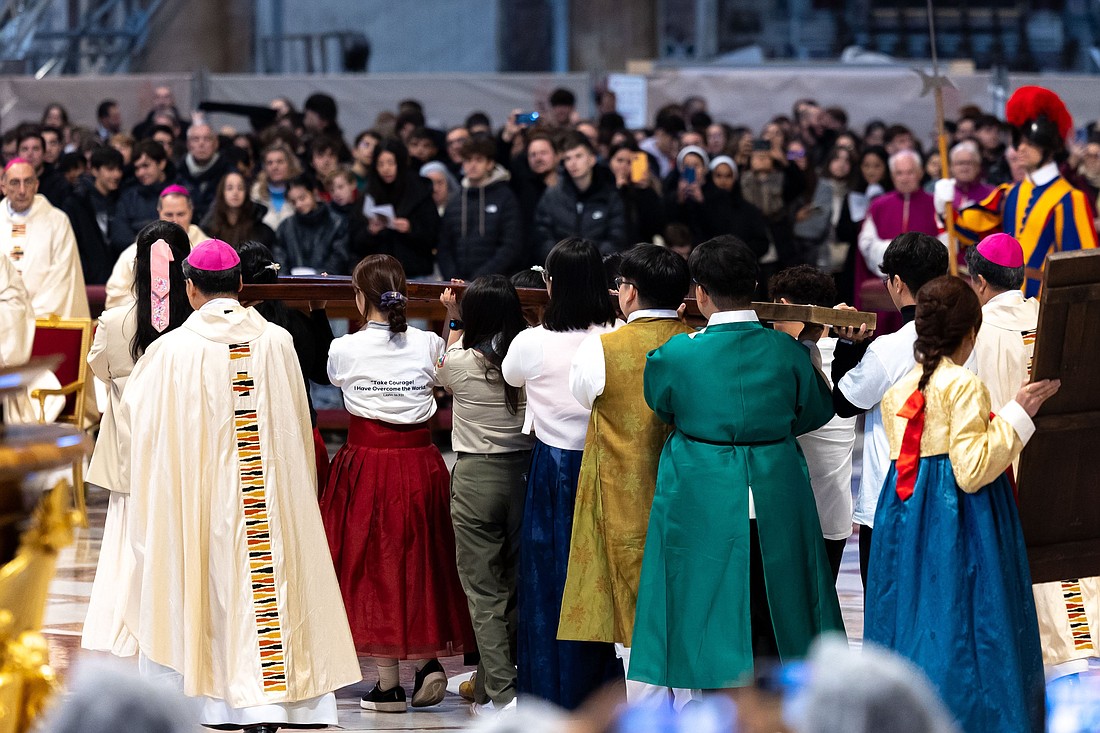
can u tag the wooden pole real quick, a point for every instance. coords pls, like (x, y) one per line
(945, 172)
(945, 163)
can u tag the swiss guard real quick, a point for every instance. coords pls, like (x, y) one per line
(1043, 211)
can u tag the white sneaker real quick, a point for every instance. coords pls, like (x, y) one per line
(489, 710)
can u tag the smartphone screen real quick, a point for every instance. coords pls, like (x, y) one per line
(689, 175)
(639, 167)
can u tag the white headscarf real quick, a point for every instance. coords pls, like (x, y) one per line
(719, 160)
(435, 165)
(688, 150)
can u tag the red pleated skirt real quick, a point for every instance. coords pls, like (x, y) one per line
(386, 510)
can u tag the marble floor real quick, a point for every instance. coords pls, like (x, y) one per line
(68, 603)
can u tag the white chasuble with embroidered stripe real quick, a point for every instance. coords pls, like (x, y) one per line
(234, 587)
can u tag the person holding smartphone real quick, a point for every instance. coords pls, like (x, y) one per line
(686, 182)
(723, 210)
(640, 191)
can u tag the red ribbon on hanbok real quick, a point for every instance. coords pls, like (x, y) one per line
(1011, 474)
(909, 458)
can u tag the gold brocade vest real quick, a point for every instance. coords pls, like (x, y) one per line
(615, 490)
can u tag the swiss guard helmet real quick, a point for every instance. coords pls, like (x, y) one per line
(1039, 117)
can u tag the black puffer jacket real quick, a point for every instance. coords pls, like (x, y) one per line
(595, 214)
(358, 233)
(318, 240)
(481, 231)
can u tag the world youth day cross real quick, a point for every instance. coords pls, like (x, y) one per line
(337, 291)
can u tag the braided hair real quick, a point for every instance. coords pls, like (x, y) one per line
(947, 311)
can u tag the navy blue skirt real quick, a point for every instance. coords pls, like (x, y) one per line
(563, 672)
(949, 588)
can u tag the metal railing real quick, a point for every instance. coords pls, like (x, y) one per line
(308, 53)
(49, 37)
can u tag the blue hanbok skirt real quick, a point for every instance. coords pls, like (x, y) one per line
(949, 588)
(563, 672)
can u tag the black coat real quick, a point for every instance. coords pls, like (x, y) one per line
(54, 186)
(312, 336)
(137, 208)
(416, 249)
(96, 256)
(529, 189)
(480, 234)
(318, 240)
(724, 212)
(644, 213)
(595, 214)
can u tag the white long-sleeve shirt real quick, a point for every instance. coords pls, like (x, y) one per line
(539, 360)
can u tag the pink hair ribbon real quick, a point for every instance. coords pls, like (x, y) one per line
(160, 283)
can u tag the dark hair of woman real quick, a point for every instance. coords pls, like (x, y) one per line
(258, 268)
(220, 227)
(947, 311)
(61, 110)
(853, 166)
(179, 307)
(379, 190)
(380, 278)
(879, 152)
(579, 297)
(493, 316)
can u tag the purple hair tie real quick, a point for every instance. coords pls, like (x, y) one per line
(390, 298)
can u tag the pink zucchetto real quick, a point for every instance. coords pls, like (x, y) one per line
(213, 255)
(175, 190)
(1003, 250)
(15, 161)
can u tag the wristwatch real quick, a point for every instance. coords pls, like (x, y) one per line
(456, 325)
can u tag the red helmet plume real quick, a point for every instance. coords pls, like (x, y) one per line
(1029, 103)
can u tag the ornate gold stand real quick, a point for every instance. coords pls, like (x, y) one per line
(31, 535)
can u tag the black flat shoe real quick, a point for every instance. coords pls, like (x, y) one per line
(385, 701)
(431, 685)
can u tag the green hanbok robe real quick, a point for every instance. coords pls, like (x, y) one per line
(737, 395)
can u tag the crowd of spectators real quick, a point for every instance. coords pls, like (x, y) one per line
(478, 198)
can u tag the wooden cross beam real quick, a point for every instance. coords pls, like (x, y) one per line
(424, 301)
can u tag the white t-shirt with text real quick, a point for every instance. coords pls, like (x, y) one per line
(387, 376)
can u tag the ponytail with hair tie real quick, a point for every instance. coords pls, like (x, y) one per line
(391, 298)
(380, 278)
(394, 302)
